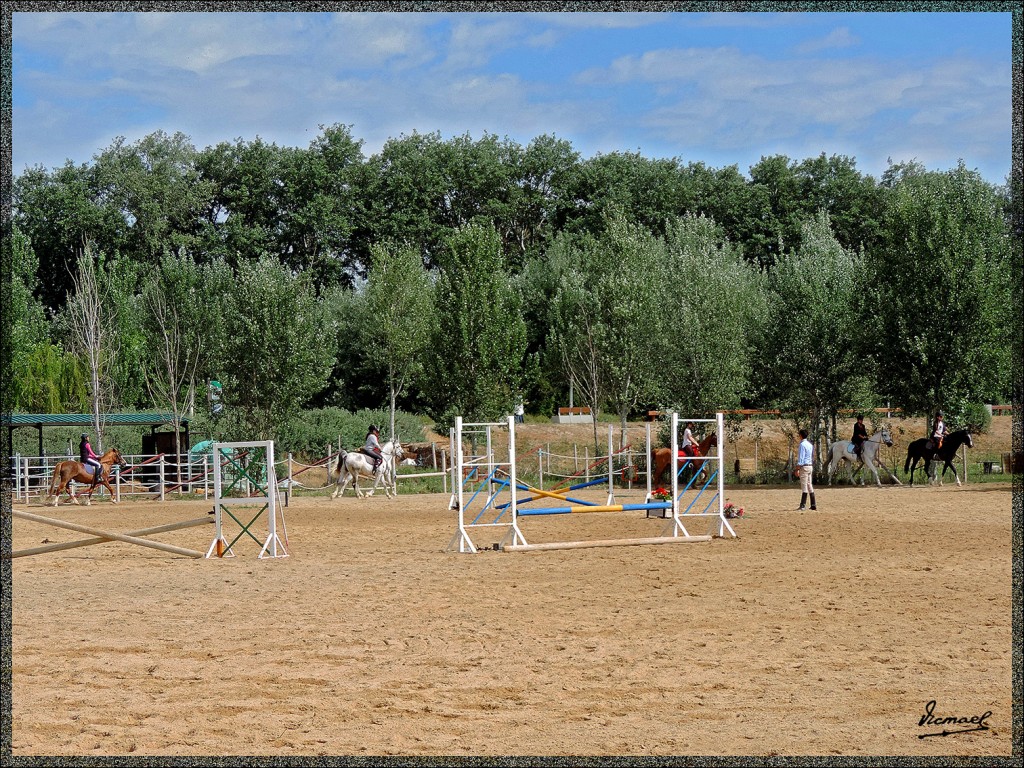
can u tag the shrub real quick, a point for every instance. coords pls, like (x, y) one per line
(976, 418)
(308, 433)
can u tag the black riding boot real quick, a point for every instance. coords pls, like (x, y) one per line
(813, 505)
(803, 501)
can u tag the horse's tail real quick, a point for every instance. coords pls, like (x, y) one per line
(334, 464)
(54, 480)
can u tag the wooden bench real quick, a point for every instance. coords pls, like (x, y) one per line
(574, 411)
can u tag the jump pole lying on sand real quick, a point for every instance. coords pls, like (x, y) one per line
(106, 535)
(604, 543)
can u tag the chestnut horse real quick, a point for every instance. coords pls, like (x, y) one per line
(661, 458)
(71, 471)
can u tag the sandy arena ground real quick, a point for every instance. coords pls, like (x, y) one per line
(812, 633)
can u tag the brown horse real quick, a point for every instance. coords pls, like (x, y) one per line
(661, 458)
(71, 471)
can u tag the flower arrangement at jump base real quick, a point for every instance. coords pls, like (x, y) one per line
(661, 494)
(732, 511)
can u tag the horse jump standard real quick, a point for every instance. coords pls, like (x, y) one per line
(514, 541)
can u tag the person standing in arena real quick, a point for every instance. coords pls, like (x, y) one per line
(805, 461)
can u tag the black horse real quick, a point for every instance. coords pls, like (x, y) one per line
(920, 450)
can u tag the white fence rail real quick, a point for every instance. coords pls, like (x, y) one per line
(156, 476)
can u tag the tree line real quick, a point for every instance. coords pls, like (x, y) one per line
(462, 277)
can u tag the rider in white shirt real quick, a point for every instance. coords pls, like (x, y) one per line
(939, 431)
(689, 445)
(372, 447)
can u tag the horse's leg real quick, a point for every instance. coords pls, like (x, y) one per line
(384, 476)
(344, 478)
(956, 475)
(342, 482)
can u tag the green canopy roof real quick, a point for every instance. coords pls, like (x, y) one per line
(85, 419)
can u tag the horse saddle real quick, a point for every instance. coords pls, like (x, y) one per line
(851, 448)
(930, 445)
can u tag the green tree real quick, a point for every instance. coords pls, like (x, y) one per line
(605, 316)
(171, 316)
(242, 217)
(93, 334)
(157, 188)
(273, 352)
(59, 212)
(399, 320)
(711, 304)
(42, 377)
(940, 300)
(810, 363)
(480, 339)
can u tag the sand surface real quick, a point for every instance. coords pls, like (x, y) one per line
(812, 633)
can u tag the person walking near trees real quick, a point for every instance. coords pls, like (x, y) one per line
(805, 462)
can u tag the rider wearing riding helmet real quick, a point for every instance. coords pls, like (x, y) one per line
(939, 431)
(372, 446)
(88, 457)
(860, 434)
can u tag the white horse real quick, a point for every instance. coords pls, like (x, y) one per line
(351, 465)
(842, 450)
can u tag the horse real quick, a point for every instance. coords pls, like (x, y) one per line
(351, 465)
(842, 450)
(71, 471)
(923, 449)
(661, 458)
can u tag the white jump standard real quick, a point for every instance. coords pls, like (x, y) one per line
(246, 459)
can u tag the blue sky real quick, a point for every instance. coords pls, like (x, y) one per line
(719, 88)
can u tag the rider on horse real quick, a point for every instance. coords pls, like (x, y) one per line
(90, 459)
(939, 431)
(372, 447)
(689, 446)
(860, 434)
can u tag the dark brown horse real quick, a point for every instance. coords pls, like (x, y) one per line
(71, 471)
(661, 458)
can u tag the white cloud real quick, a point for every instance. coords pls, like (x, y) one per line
(217, 77)
(837, 38)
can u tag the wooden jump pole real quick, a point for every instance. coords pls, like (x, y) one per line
(103, 539)
(603, 543)
(126, 538)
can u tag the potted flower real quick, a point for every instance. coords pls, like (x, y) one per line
(732, 511)
(661, 494)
